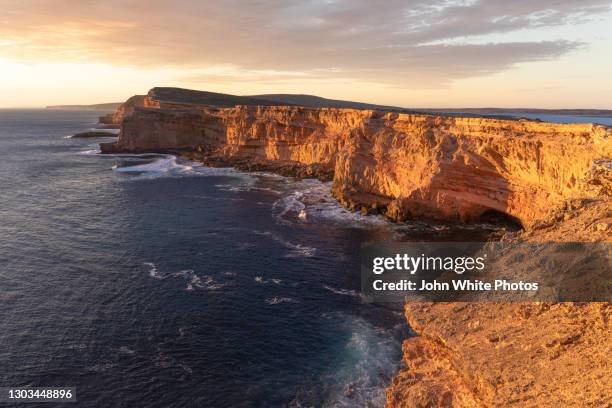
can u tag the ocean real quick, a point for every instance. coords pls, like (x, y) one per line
(554, 118)
(150, 281)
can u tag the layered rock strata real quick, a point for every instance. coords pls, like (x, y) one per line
(525, 354)
(404, 165)
(555, 179)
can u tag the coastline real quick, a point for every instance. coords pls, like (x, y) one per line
(457, 345)
(553, 192)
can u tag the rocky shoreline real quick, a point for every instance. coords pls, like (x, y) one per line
(283, 168)
(93, 134)
(553, 179)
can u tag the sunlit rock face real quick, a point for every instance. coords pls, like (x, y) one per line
(555, 179)
(406, 165)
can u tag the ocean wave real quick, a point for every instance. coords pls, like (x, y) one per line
(296, 250)
(210, 283)
(299, 250)
(193, 280)
(266, 190)
(311, 201)
(126, 350)
(153, 271)
(262, 281)
(90, 152)
(288, 206)
(158, 167)
(344, 292)
(364, 368)
(278, 300)
(166, 165)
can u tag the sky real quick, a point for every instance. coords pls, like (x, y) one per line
(411, 53)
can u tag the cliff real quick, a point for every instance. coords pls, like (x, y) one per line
(528, 354)
(402, 164)
(555, 179)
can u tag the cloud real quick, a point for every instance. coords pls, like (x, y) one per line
(412, 43)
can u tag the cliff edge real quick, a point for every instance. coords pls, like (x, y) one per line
(553, 179)
(404, 165)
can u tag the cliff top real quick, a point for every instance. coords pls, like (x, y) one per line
(189, 96)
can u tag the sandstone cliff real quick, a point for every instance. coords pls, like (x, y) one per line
(407, 165)
(554, 179)
(530, 354)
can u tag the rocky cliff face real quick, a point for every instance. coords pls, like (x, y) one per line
(405, 165)
(554, 179)
(526, 354)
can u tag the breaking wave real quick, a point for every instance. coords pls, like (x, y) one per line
(311, 201)
(90, 152)
(344, 292)
(159, 167)
(262, 281)
(166, 165)
(295, 250)
(193, 280)
(367, 362)
(278, 300)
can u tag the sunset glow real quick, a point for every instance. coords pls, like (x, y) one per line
(440, 54)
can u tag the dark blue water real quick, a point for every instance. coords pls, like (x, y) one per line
(552, 118)
(147, 281)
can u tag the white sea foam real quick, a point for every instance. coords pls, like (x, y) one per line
(364, 367)
(288, 206)
(266, 189)
(184, 272)
(278, 300)
(126, 350)
(153, 271)
(299, 250)
(262, 281)
(311, 201)
(193, 281)
(242, 182)
(90, 152)
(345, 292)
(158, 167)
(210, 283)
(296, 250)
(166, 165)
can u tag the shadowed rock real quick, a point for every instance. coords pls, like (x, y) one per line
(92, 134)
